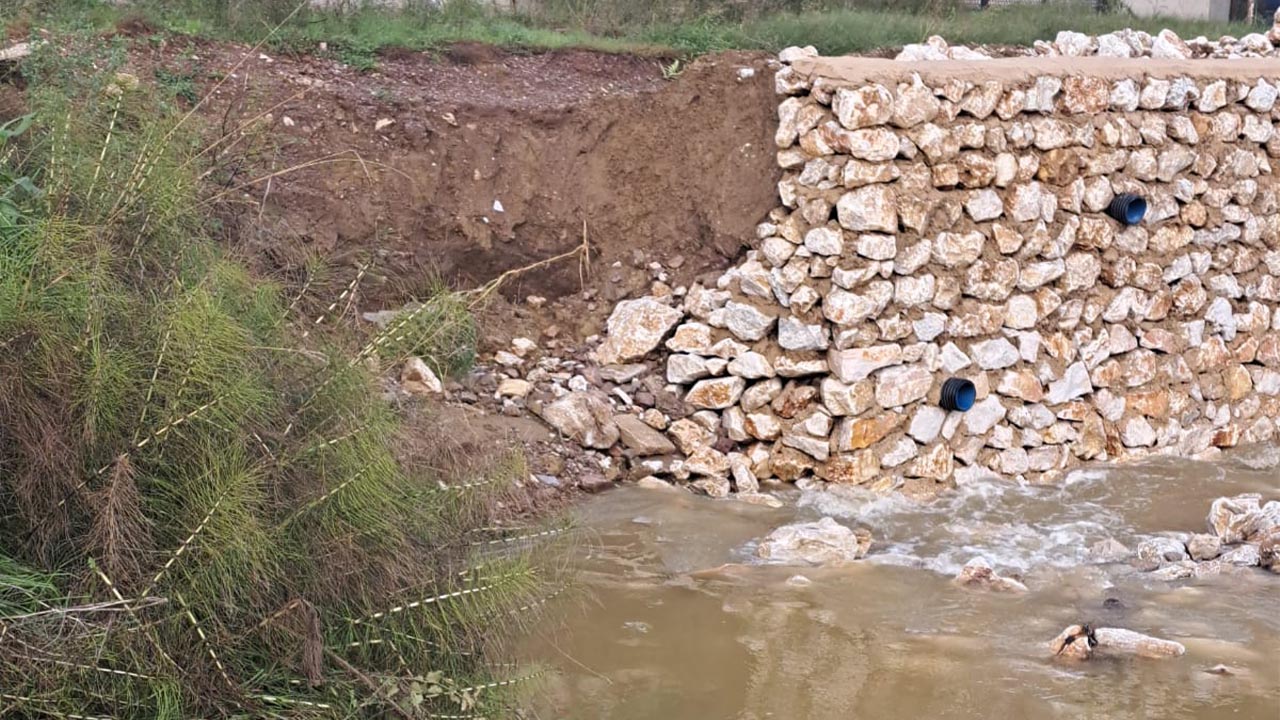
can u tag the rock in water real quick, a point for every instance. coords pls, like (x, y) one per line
(1204, 547)
(1157, 552)
(1109, 550)
(1119, 640)
(1269, 549)
(1076, 642)
(1240, 518)
(978, 573)
(1081, 642)
(635, 328)
(817, 543)
(584, 417)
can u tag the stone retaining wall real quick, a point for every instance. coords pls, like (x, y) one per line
(947, 220)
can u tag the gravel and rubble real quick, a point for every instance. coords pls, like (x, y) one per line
(1121, 44)
(1242, 532)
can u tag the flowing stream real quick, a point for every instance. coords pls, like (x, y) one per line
(680, 620)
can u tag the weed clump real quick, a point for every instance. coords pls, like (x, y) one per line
(203, 508)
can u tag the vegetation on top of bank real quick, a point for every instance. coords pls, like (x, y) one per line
(208, 508)
(661, 27)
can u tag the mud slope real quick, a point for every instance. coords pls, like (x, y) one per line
(656, 169)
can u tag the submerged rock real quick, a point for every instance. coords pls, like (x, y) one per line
(1159, 551)
(650, 482)
(759, 498)
(978, 573)
(816, 543)
(1081, 642)
(1181, 570)
(1109, 551)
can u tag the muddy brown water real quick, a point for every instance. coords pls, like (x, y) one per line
(680, 621)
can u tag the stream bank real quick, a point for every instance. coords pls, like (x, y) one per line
(684, 621)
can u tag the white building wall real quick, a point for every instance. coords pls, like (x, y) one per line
(1191, 9)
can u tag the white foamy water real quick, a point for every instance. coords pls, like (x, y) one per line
(1020, 527)
(1014, 526)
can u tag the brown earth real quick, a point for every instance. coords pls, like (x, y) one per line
(419, 154)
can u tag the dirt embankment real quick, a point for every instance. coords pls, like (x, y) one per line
(480, 161)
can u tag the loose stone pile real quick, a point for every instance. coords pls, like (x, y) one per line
(1165, 45)
(956, 227)
(1243, 533)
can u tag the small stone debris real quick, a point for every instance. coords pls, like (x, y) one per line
(417, 378)
(1126, 43)
(16, 52)
(513, 388)
(1243, 533)
(585, 418)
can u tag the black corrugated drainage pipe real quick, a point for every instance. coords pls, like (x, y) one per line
(1128, 208)
(957, 394)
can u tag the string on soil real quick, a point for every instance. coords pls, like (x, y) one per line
(167, 549)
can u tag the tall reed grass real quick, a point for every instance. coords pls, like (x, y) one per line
(205, 505)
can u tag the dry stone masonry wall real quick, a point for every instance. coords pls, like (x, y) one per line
(948, 220)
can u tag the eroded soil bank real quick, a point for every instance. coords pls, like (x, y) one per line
(465, 165)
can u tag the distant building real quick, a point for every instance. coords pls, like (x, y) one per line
(1191, 9)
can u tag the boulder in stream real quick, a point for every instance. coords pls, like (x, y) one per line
(1157, 552)
(1269, 551)
(978, 573)
(1109, 550)
(1242, 518)
(815, 543)
(1082, 642)
(1204, 547)
(1247, 555)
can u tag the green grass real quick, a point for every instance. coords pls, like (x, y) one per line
(660, 27)
(206, 507)
(853, 31)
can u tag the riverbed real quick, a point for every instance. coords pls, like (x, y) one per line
(676, 618)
